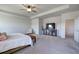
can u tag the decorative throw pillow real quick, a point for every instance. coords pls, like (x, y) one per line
(3, 36)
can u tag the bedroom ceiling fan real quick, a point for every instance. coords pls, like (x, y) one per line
(29, 8)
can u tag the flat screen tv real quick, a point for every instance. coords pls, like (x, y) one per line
(50, 25)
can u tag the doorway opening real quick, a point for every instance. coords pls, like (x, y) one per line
(69, 28)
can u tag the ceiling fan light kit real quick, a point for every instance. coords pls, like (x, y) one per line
(30, 8)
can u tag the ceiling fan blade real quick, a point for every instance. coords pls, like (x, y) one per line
(33, 6)
(24, 5)
(34, 11)
(22, 9)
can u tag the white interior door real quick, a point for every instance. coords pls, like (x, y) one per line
(69, 28)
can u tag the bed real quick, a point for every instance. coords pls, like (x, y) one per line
(14, 42)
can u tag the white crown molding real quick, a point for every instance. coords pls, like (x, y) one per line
(51, 11)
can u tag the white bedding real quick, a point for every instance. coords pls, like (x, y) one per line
(15, 40)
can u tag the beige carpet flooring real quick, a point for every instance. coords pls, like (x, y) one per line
(52, 45)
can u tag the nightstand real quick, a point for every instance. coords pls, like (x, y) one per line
(32, 37)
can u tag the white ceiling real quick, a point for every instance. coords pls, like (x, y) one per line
(16, 9)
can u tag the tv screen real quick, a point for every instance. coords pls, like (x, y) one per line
(50, 25)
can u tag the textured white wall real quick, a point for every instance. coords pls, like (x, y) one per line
(40, 25)
(76, 30)
(35, 25)
(14, 24)
(56, 20)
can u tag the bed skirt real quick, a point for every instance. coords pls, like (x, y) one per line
(11, 51)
